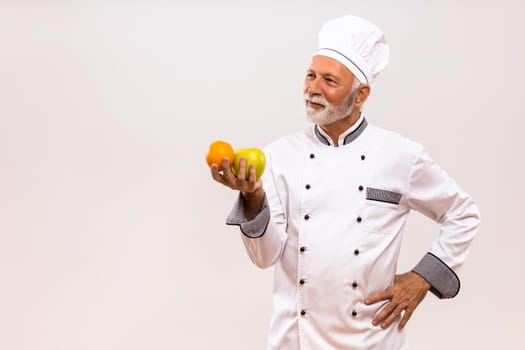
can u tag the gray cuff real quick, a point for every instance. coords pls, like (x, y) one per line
(254, 228)
(444, 281)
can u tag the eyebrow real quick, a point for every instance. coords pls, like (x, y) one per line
(325, 75)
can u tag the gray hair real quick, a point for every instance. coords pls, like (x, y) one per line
(356, 84)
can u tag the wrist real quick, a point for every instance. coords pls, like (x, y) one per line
(424, 283)
(252, 203)
(259, 192)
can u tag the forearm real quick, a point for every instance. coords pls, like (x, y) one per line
(252, 203)
(263, 238)
(433, 193)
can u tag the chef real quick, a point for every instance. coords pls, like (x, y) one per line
(329, 211)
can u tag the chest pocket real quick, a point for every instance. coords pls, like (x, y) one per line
(382, 212)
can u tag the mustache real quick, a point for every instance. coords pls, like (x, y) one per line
(316, 99)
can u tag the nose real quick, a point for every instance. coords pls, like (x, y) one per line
(311, 86)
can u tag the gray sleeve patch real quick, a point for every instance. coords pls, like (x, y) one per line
(376, 194)
(236, 216)
(445, 283)
(254, 228)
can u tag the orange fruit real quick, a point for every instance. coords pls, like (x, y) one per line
(218, 151)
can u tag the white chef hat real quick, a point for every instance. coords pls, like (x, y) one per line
(357, 44)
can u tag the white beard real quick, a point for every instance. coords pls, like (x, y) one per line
(329, 114)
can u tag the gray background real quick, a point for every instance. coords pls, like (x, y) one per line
(112, 232)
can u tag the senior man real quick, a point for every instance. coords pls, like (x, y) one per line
(329, 211)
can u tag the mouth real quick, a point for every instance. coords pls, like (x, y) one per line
(314, 104)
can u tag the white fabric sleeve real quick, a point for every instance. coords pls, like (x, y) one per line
(433, 193)
(264, 236)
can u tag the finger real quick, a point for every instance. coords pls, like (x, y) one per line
(216, 175)
(252, 176)
(392, 317)
(252, 183)
(380, 296)
(406, 317)
(228, 175)
(241, 175)
(384, 314)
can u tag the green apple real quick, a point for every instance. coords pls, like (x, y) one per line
(253, 156)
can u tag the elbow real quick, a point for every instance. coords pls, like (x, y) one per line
(472, 215)
(464, 213)
(263, 261)
(263, 264)
(263, 256)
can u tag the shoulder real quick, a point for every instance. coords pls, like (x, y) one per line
(295, 141)
(394, 141)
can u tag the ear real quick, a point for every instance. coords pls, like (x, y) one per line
(362, 94)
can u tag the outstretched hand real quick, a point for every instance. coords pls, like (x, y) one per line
(405, 294)
(241, 182)
(250, 187)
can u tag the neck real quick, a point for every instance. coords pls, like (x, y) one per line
(334, 130)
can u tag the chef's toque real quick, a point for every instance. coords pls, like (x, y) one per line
(357, 44)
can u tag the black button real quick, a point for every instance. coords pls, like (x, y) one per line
(306, 217)
(354, 313)
(302, 249)
(360, 188)
(307, 187)
(301, 281)
(354, 285)
(363, 157)
(312, 156)
(359, 219)
(356, 252)
(303, 312)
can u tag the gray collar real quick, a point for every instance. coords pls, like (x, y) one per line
(348, 138)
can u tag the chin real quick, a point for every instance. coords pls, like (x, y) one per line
(322, 118)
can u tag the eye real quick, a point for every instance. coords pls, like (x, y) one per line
(330, 81)
(310, 76)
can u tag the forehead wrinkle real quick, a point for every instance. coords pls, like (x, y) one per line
(336, 77)
(333, 69)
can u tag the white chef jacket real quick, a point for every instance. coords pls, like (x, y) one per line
(332, 224)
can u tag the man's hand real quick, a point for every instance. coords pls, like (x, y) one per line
(405, 294)
(251, 188)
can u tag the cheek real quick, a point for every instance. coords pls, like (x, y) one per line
(307, 86)
(333, 98)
